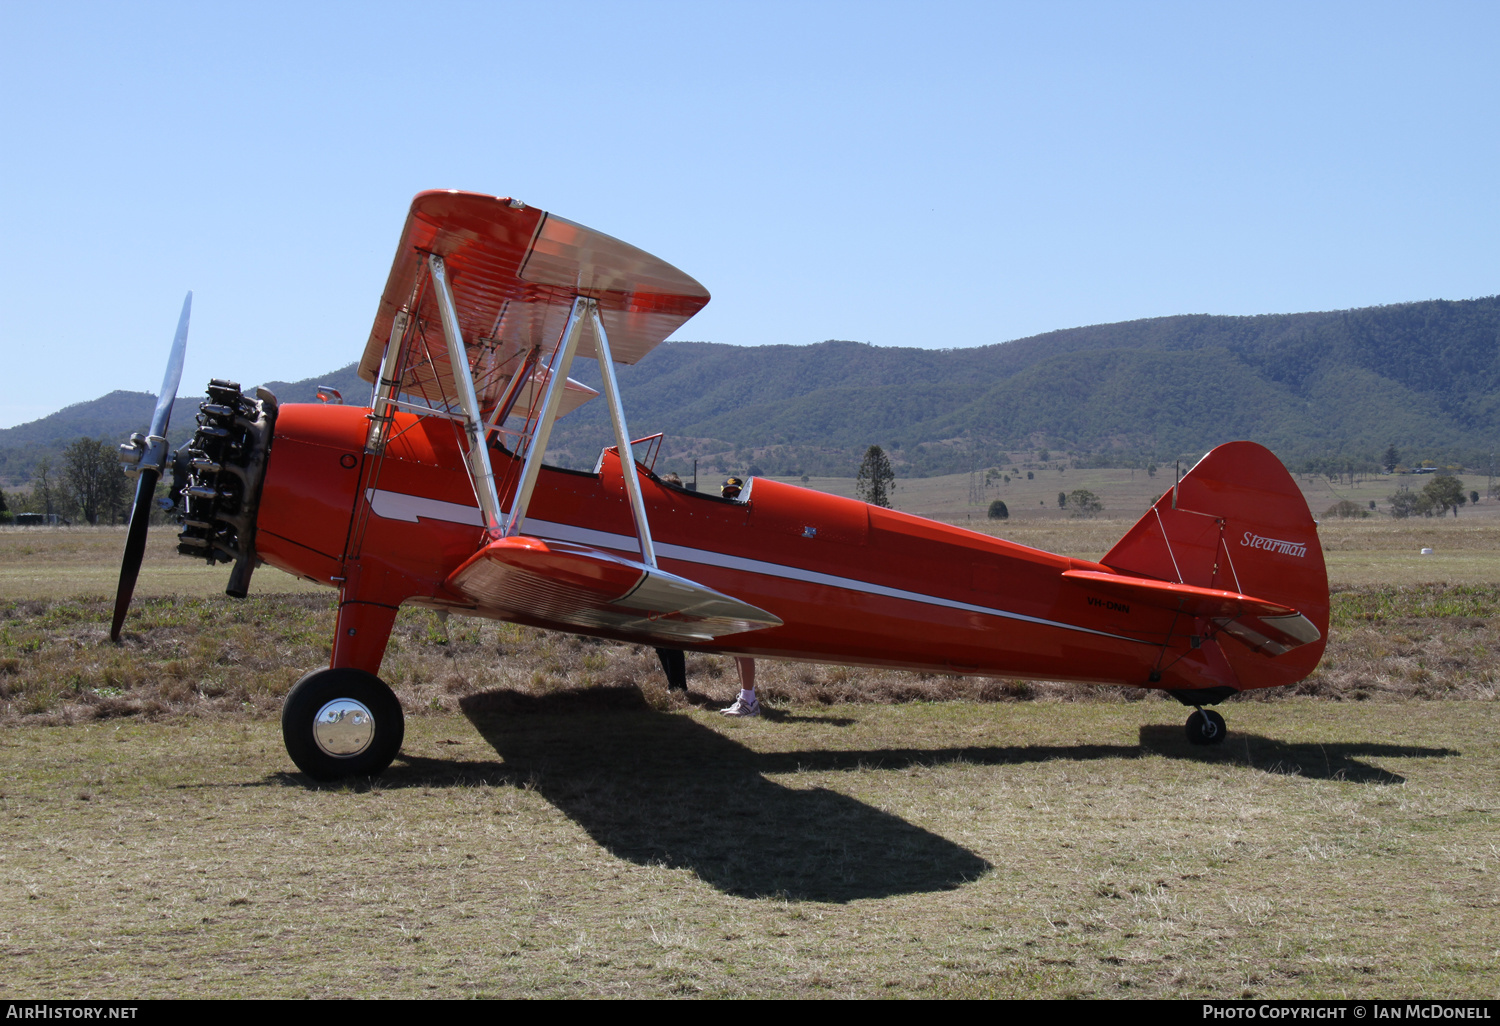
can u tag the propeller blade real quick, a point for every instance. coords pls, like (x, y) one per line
(152, 466)
(135, 548)
(170, 380)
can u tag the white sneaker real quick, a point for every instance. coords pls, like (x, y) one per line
(742, 708)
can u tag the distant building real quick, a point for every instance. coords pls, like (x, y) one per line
(40, 520)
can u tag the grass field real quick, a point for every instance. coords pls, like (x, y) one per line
(50, 563)
(571, 848)
(560, 825)
(1126, 494)
(76, 561)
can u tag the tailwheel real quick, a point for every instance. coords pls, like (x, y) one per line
(1206, 727)
(341, 723)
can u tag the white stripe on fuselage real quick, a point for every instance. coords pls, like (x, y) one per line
(400, 506)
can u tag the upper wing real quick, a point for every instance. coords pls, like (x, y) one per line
(515, 272)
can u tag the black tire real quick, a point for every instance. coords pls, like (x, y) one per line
(1206, 727)
(315, 691)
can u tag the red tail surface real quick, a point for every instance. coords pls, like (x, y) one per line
(1237, 523)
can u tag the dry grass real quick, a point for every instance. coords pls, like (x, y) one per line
(587, 845)
(61, 562)
(198, 652)
(558, 824)
(217, 655)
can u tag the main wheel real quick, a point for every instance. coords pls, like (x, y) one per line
(341, 723)
(1206, 727)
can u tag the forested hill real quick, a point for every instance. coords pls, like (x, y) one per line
(1422, 376)
(114, 416)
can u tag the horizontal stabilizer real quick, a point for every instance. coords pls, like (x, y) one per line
(1265, 626)
(591, 588)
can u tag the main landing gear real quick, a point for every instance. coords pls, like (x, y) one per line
(342, 723)
(1206, 727)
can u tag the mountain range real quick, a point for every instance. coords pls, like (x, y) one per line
(1343, 385)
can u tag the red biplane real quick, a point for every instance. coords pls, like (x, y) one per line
(436, 494)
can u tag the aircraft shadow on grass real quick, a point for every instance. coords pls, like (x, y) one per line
(1311, 759)
(655, 787)
(658, 788)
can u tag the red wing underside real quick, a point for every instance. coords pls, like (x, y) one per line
(515, 271)
(1265, 626)
(591, 588)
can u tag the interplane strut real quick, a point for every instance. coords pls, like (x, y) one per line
(480, 471)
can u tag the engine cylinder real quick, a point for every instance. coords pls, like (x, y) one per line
(226, 465)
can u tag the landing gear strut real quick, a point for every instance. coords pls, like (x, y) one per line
(1206, 727)
(341, 723)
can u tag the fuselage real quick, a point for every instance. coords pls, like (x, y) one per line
(852, 583)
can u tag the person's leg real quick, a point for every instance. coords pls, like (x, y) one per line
(746, 704)
(747, 677)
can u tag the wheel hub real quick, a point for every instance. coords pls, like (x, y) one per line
(343, 728)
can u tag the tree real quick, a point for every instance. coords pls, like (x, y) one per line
(1062, 500)
(1473, 497)
(873, 484)
(1446, 492)
(49, 494)
(1084, 503)
(1344, 509)
(1391, 459)
(998, 511)
(41, 492)
(93, 471)
(1410, 504)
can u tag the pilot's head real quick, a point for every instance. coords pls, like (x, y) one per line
(731, 489)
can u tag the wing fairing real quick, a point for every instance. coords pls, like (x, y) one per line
(591, 588)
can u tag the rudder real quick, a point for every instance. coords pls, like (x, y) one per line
(1238, 522)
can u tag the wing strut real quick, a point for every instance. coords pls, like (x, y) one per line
(622, 438)
(481, 475)
(380, 416)
(507, 400)
(584, 313)
(561, 364)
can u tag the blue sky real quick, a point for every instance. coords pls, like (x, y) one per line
(906, 174)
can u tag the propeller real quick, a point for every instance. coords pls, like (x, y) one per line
(149, 456)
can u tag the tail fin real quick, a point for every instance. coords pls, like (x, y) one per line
(1238, 523)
